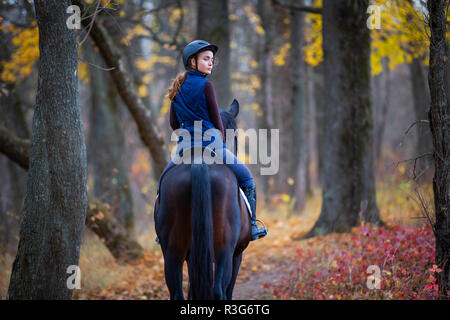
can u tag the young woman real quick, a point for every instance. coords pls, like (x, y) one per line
(193, 99)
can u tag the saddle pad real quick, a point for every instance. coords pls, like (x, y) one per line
(242, 193)
(246, 202)
(159, 188)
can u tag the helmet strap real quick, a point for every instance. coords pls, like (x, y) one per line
(196, 64)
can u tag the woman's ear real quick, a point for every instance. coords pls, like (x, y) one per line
(192, 62)
(234, 108)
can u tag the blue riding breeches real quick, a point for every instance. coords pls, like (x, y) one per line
(241, 171)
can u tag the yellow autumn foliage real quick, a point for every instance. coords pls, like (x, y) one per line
(254, 64)
(165, 107)
(138, 30)
(144, 65)
(254, 19)
(279, 59)
(83, 72)
(255, 81)
(147, 78)
(401, 38)
(175, 15)
(247, 83)
(23, 59)
(312, 50)
(142, 91)
(285, 197)
(107, 3)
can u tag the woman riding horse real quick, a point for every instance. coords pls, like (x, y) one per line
(193, 99)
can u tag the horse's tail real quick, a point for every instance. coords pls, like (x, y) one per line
(201, 255)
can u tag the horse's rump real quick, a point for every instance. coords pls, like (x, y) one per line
(213, 190)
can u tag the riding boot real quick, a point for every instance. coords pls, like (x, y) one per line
(250, 193)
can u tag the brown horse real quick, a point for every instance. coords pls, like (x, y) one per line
(202, 219)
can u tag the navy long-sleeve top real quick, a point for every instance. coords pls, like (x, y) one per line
(196, 100)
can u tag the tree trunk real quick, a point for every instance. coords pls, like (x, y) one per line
(282, 107)
(298, 160)
(106, 147)
(447, 73)
(421, 104)
(319, 92)
(264, 56)
(382, 93)
(53, 218)
(348, 194)
(14, 180)
(439, 124)
(311, 133)
(213, 26)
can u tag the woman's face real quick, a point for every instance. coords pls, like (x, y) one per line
(205, 61)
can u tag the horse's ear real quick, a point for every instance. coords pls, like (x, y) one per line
(234, 108)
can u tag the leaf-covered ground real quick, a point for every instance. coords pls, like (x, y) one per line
(283, 266)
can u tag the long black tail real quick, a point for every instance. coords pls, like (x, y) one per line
(202, 253)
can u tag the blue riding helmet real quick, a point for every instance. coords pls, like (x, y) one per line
(195, 47)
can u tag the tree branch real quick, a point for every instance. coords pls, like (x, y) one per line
(178, 44)
(14, 148)
(409, 128)
(142, 116)
(291, 6)
(415, 177)
(103, 223)
(166, 5)
(98, 216)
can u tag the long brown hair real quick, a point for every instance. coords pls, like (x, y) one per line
(177, 82)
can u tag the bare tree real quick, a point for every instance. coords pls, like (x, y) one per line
(299, 156)
(143, 116)
(439, 124)
(106, 144)
(264, 56)
(213, 26)
(348, 177)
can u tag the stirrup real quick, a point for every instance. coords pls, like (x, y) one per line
(264, 225)
(261, 231)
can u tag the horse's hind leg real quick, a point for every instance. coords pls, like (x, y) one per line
(223, 274)
(173, 270)
(236, 265)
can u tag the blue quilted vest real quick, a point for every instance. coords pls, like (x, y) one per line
(190, 104)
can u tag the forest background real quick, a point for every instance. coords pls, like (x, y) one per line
(271, 59)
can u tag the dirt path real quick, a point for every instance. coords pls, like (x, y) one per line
(252, 288)
(263, 265)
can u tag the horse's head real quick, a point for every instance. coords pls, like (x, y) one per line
(229, 120)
